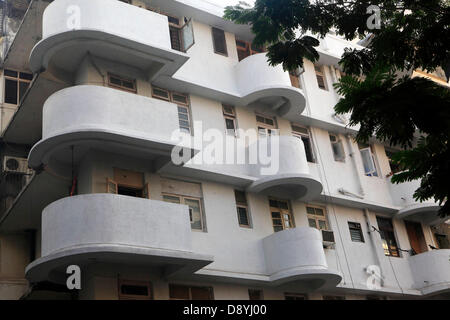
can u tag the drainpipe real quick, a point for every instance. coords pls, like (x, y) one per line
(355, 166)
(373, 243)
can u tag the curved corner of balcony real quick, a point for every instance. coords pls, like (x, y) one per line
(103, 118)
(268, 87)
(296, 256)
(287, 175)
(139, 38)
(425, 212)
(108, 228)
(431, 271)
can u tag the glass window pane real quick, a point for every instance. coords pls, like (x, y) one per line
(196, 219)
(171, 199)
(322, 225)
(11, 91)
(310, 210)
(318, 211)
(229, 124)
(276, 215)
(312, 223)
(23, 86)
(243, 216)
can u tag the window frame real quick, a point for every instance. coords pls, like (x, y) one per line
(307, 135)
(214, 31)
(180, 105)
(121, 87)
(18, 79)
(182, 199)
(189, 287)
(147, 284)
(383, 232)
(320, 72)
(230, 116)
(243, 206)
(260, 293)
(356, 226)
(268, 128)
(376, 168)
(282, 211)
(295, 296)
(318, 218)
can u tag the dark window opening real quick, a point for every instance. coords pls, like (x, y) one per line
(388, 237)
(254, 294)
(219, 41)
(132, 192)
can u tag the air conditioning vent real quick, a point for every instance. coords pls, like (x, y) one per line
(16, 165)
(328, 238)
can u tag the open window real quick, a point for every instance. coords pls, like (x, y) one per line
(128, 183)
(246, 48)
(369, 160)
(303, 134)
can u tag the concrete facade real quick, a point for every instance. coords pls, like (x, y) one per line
(84, 133)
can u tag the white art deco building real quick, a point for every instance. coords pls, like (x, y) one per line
(93, 91)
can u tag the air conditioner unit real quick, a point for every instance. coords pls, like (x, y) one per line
(328, 238)
(16, 165)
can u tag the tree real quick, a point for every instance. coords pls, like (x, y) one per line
(377, 89)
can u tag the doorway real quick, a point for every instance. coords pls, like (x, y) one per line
(416, 237)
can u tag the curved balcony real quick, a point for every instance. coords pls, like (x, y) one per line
(297, 256)
(431, 271)
(106, 228)
(111, 30)
(106, 119)
(288, 174)
(402, 195)
(268, 89)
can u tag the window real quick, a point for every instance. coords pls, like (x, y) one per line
(266, 125)
(333, 298)
(16, 84)
(320, 76)
(338, 148)
(317, 218)
(242, 208)
(135, 290)
(230, 119)
(245, 49)
(281, 215)
(179, 292)
(369, 160)
(303, 133)
(356, 232)
(388, 237)
(219, 42)
(182, 100)
(295, 296)
(295, 79)
(195, 209)
(128, 183)
(255, 294)
(442, 241)
(395, 168)
(121, 83)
